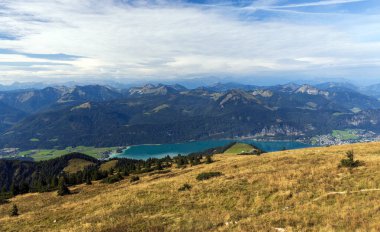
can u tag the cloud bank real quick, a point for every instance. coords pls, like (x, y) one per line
(70, 39)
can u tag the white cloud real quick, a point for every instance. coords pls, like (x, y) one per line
(320, 3)
(119, 40)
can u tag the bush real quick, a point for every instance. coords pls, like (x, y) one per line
(14, 211)
(88, 181)
(349, 162)
(184, 187)
(208, 175)
(112, 179)
(209, 159)
(134, 179)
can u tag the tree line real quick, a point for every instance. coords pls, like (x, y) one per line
(19, 177)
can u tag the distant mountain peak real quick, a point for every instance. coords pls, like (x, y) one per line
(290, 87)
(219, 86)
(311, 90)
(336, 85)
(151, 89)
(236, 96)
(262, 93)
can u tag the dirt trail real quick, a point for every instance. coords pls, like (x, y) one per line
(345, 192)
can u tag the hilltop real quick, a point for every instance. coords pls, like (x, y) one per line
(292, 190)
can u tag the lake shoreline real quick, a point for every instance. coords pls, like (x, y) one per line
(145, 151)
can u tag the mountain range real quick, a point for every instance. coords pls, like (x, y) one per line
(96, 115)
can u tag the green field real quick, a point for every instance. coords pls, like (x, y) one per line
(45, 154)
(239, 148)
(345, 134)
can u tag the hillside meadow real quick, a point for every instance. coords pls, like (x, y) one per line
(294, 190)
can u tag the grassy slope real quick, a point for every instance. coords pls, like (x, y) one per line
(239, 148)
(288, 189)
(108, 165)
(344, 134)
(76, 165)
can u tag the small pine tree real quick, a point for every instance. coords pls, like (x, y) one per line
(191, 161)
(125, 173)
(54, 182)
(14, 211)
(62, 188)
(209, 159)
(13, 190)
(159, 166)
(134, 179)
(184, 187)
(95, 175)
(349, 162)
(88, 181)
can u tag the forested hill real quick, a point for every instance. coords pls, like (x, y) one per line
(19, 177)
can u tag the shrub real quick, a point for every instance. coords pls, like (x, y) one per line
(88, 181)
(14, 211)
(208, 175)
(134, 179)
(349, 162)
(184, 187)
(209, 159)
(112, 179)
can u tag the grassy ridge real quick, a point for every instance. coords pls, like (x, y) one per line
(76, 165)
(296, 190)
(239, 148)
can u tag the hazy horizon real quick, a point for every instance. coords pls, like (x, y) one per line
(189, 83)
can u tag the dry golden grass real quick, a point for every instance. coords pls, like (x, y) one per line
(76, 165)
(293, 190)
(108, 165)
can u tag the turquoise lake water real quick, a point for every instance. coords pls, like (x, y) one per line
(162, 150)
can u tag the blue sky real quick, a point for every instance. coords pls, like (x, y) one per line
(154, 40)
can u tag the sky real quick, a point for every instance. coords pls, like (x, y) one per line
(59, 40)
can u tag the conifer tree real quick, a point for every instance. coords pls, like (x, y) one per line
(62, 188)
(88, 181)
(14, 211)
(209, 159)
(125, 173)
(13, 190)
(159, 166)
(54, 182)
